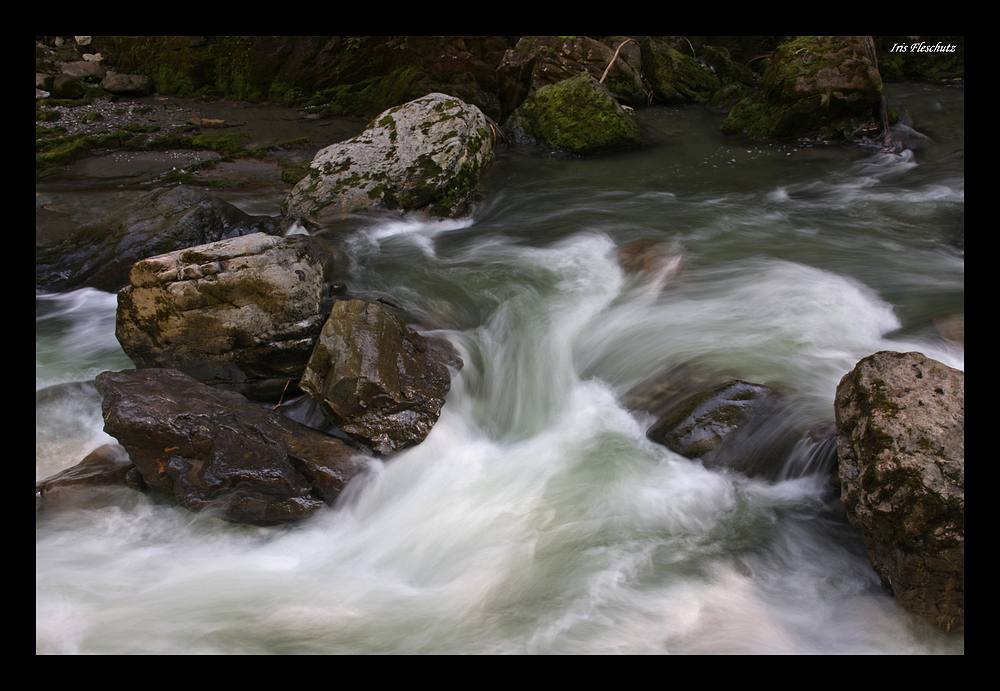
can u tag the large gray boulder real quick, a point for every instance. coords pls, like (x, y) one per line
(901, 448)
(218, 453)
(426, 154)
(377, 379)
(99, 254)
(240, 314)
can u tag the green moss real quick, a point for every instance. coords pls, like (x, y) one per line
(580, 116)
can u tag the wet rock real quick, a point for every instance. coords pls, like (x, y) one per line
(901, 449)
(377, 379)
(105, 466)
(746, 427)
(218, 453)
(814, 86)
(240, 314)
(651, 261)
(578, 115)
(427, 154)
(99, 254)
(676, 77)
(538, 61)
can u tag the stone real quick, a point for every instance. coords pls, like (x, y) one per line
(738, 425)
(376, 378)
(105, 466)
(538, 61)
(219, 454)
(814, 86)
(676, 78)
(901, 454)
(127, 84)
(427, 155)
(100, 254)
(240, 314)
(577, 115)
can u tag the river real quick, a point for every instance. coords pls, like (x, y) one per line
(537, 518)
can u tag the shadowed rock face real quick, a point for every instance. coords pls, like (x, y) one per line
(901, 448)
(216, 452)
(377, 379)
(100, 254)
(240, 314)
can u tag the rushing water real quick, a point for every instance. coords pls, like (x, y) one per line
(536, 517)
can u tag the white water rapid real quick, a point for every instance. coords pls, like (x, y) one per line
(537, 518)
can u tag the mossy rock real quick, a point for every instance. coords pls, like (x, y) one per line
(814, 86)
(676, 78)
(578, 115)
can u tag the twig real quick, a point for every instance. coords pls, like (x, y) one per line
(281, 400)
(615, 57)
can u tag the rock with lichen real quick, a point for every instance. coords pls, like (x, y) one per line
(901, 449)
(427, 154)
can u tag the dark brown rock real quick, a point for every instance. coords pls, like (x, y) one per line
(216, 452)
(105, 466)
(901, 449)
(377, 379)
(738, 425)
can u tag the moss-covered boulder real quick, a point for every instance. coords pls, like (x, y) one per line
(578, 115)
(814, 86)
(538, 61)
(427, 154)
(901, 449)
(675, 77)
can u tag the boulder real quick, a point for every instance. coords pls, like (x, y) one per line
(651, 261)
(99, 254)
(814, 86)
(745, 427)
(676, 78)
(901, 453)
(377, 379)
(127, 84)
(578, 115)
(426, 154)
(218, 453)
(538, 61)
(106, 466)
(240, 314)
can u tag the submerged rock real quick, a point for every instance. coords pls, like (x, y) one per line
(578, 115)
(100, 254)
(427, 154)
(218, 453)
(814, 86)
(239, 314)
(746, 427)
(377, 379)
(105, 466)
(901, 449)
